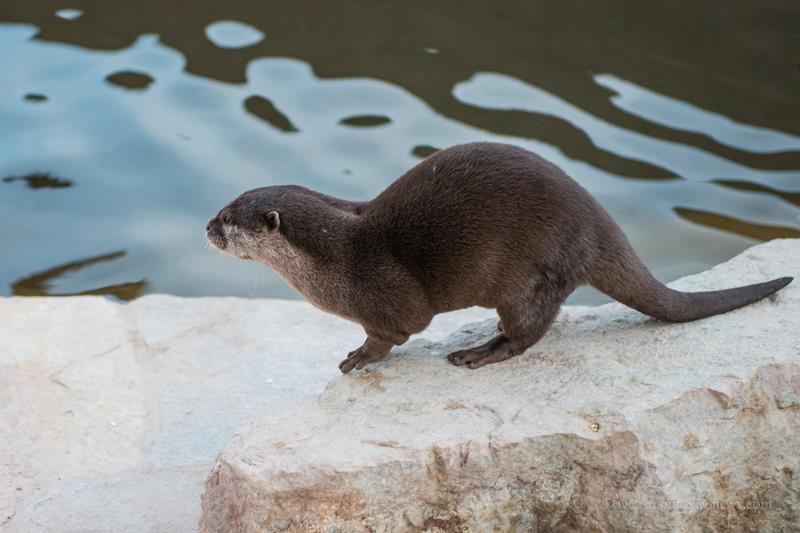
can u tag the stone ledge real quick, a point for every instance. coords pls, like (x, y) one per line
(112, 414)
(613, 422)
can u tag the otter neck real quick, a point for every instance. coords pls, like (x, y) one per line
(318, 244)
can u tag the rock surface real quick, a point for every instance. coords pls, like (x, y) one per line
(111, 414)
(612, 422)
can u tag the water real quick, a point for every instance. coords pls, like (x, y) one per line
(125, 126)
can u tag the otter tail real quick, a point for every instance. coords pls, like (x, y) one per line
(620, 274)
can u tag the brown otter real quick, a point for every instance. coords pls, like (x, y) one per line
(481, 224)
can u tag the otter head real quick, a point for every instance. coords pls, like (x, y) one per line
(250, 227)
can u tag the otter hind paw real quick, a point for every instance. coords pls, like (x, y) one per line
(496, 350)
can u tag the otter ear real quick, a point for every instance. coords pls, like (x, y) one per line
(272, 220)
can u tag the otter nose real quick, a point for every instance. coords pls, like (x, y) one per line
(210, 221)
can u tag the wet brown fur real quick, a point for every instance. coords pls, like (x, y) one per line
(481, 224)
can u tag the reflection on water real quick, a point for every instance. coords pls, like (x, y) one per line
(40, 180)
(35, 97)
(423, 150)
(792, 197)
(68, 14)
(686, 117)
(762, 232)
(365, 121)
(265, 110)
(129, 79)
(224, 98)
(40, 284)
(232, 34)
(498, 91)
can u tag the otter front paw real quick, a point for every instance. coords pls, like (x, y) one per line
(358, 358)
(372, 350)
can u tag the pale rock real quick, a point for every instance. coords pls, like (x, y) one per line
(112, 414)
(612, 422)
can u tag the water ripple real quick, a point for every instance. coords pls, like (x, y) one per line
(683, 116)
(152, 165)
(500, 91)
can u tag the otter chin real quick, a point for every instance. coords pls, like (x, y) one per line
(483, 224)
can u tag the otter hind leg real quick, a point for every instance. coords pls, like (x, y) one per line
(523, 322)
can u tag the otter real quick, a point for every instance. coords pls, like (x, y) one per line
(483, 224)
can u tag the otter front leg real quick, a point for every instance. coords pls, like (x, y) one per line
(372, 350)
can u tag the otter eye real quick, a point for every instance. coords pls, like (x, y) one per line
(226, 219)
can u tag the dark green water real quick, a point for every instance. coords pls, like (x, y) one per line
(125, 125)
